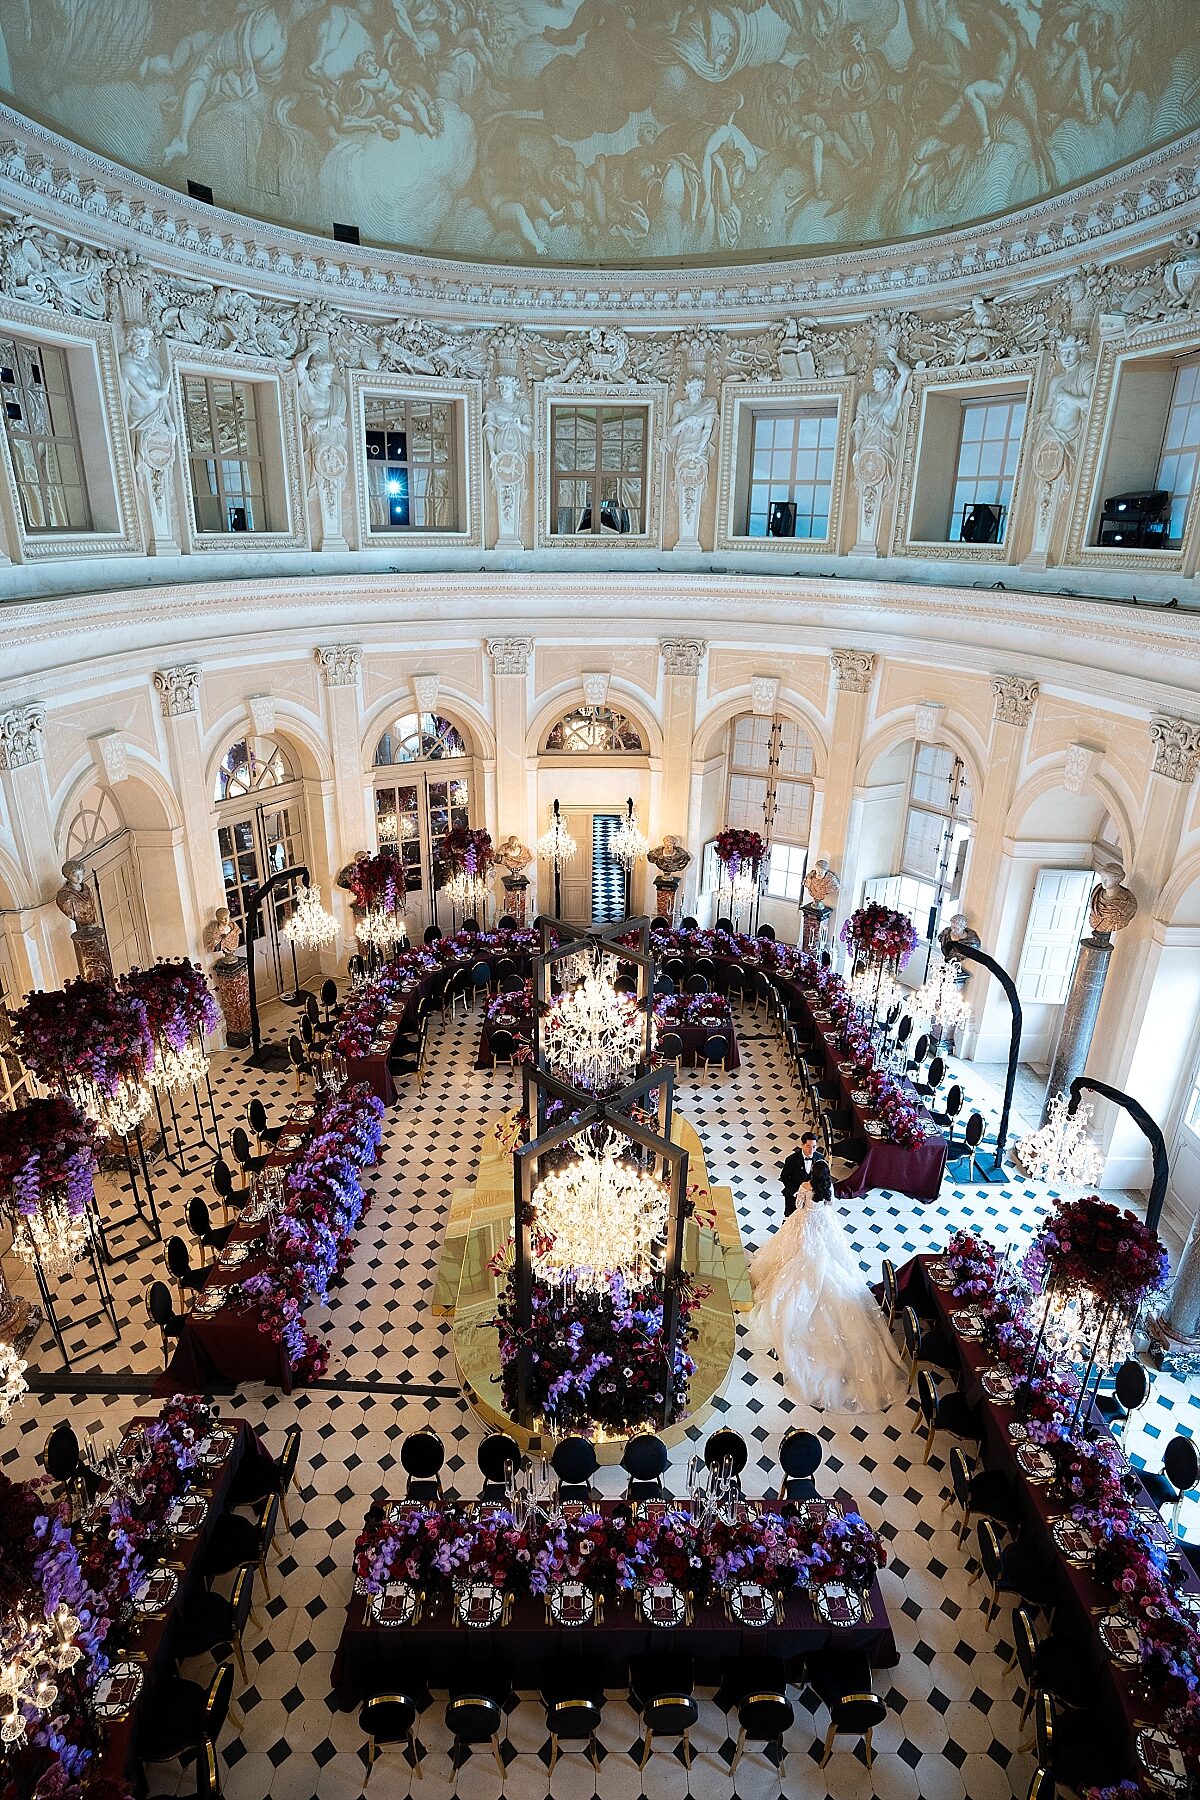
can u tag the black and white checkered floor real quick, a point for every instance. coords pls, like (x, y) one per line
(952, 1733)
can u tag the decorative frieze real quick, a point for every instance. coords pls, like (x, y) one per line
(179, 689)
(260, 710)
(21, 731)
(683, 656)
(339, 664)
(852, 670)
(1014, 699)
(110, 753)
(764, 695)
(510, 655)
(425, 691)
(1176, 747)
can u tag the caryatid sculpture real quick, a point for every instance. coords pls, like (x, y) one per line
(146, 384)
(323, 412)
(876, 433)
(508, 433)
(691, 436)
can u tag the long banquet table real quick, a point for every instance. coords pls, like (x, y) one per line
(916, 1169)
(151, 1641)
(437, 1649)
(1082, 1601)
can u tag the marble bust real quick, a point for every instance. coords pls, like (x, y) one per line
(1112, 905)
(821, 884)
(672, 856)
(76, 900)
(222, 940)
(514, 855)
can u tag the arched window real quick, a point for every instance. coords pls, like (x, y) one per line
(97, 820)
(594, 730)
(771, 765)
(252, 764)
(419, 737)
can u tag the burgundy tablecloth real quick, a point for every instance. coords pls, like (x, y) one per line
(438, 1649)
(694, 1038)
(914, 1170)
(155, 1639)
(1081, 1599)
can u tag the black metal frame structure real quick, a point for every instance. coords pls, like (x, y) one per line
(1149, 1130)
(265, 1056)
(970, 953)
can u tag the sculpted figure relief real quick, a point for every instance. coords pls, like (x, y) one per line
(876, 433)
(323, 411)
(1064, 410)
(508, 430)
(146, 382)
(690, 435)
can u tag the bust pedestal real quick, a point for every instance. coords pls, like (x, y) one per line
(816, 927)
(665, 888)
(1079, 1014)
(516, 887)
(231, 984)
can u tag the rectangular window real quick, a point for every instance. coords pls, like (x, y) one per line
(225, 455)
(412, 463)
(43, 437)
(785, 871)
(1181, 448)
(988, 447)
(791, 473)
(747, 802)
(937, 828)
(598, 470)
(398, 822)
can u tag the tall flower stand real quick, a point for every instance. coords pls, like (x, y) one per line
(516, 887)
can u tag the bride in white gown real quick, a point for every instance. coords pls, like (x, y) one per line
(814, 1310)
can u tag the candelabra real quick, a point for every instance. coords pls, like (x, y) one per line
(13, 1385)
(175, 1068)
(469, 894)
(32, 1652)
(118, 1112)
(557, 846)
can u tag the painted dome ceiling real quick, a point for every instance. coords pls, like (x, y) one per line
(582, 131)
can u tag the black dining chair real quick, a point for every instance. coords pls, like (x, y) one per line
(63, 1462)
(676, 968)
(471, 927)
(258, 1478)
(971, 1139)
(574, 1462)
(843, 1680)
(267, 1135)
(763, 1718)
(238, 1543)
(329, 998)
(663, 985)
(926, 1346)
(920, 1053)
(502, 1046)
(725, 1454)
(1077, 1747)
(322, 1025)
(714, 1053)
(161, 1310)
(221, 1177)
(669, 1049)
(1179, 1474)
(507, 923)
(903, 1033)
(800, 1455)
(422, 1455)
(498, 1456)
(298, 1060)
(481, 980)
(767, 933)
(185, 1717)
(982, 1493)
(662, 1690)
(696, 984)
(213, 1624)
(211, 1238)
(572, 1690)
(1131, 1390)
(644, 1460)
(474, 1718)
(689, 924)
(1016, 1568)
(387, 1719)
(944, 1412)
(1051, 1665)
(243, 1156)
(934, 1076)
(947, 1113)
(725, 924)
(187, 1280)
(431, 935)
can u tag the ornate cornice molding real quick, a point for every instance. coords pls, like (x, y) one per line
(339, 664)
(21, 735)
(852, 670)
(1014, 698)
(1176, 748)
(1127, 211)
(179, 688)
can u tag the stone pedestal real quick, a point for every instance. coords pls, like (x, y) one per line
(231, 984)
(91, 953)
(815, 928)
(516, 888)
(1079, 1015)
(666, 887)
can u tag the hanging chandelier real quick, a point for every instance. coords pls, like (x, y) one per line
(54, 1236)
(468, 893)
(13, 1385)
(556, 845)
(32, 1651)
(628, 844)
(1061, 1152)
(599, 1216)
(174, 1068)
(119, 1112)
(381, 929)
(940, 999)
(592, 1036)
(309, 926)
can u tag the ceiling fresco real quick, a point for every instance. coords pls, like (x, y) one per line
(582, 131)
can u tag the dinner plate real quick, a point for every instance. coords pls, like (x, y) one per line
(998, 1384)
(873, 1128)
(186, 1515)
(1036, 1462)
(216, 1447)
(116, 1692)
(816, 1511)
(751, 1603)
(860, 1096)
(571, 1603)
(835, 1603)
(1074, 1542)
(662, 1604)
(233, 1254)
(478, 1604)
(968, 1323)
(1120, 1639)
(1162, 1759)
(209, 1301)
(940, 1275)
(155, 1592)
(1017, 1432)
(394, 1604)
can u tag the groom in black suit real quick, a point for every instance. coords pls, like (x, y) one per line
(796, 1170)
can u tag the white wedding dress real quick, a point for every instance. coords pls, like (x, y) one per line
(814, 1310)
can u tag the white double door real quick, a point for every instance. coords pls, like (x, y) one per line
(593, 884)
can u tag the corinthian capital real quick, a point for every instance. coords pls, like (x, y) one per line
(21, 735)
(1176, 747)
(852, 670)
(339, 663)
(510, 655)
(1014, 698)
(179, 689)
(683, 656)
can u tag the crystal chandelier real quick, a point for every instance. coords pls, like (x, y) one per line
(309, 926)
(940, 999)
(381, 929)
(597, 1217)
(13, 1385)
(592, 1037)
(743, 892)
(117, 1113)
(32, 1652)
(468, 893)
(173, 1068)
(556, 845)
(1061, 1152)
(628, 844)
(53, 1237)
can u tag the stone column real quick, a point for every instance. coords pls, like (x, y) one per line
(1080, 1012)
(1014, 700)
(681, 669)
(46, 937)
(853, 671)
(510, 673)
(179, 691)
(341, 669)
(1178, 1329)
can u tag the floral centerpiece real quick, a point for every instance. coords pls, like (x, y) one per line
(901, 1119)
(180, 1012)
(675, 1010)
(377, 882)
(1094, 1264)
(846, 1549)
(578, 1549)
(92, 1042)
(47, 1171)
(737, 850)
(654, 1549)
(466, 851)
(880, 934)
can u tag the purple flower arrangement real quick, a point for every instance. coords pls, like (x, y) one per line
(880, 934)
(178, 1004)
(84, 1032)
(47, 1152)
(675, 1010)
(1093, 1248)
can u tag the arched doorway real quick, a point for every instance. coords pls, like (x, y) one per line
(425, 784)
(259, 799)
(591, 759)
(98, 836)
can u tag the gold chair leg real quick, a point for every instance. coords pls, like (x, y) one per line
(553, 1753)
(236, 1716)
(740, 1746)
(687, 1750)
(372, 1753)
(867, 1744)
(646, 1751)
(414, 1759)
(241, 1660)
(497, 1755)
(830, 1735)
(929, 1443)
(266, 1581)
(283, 1509)
(593, 1753)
